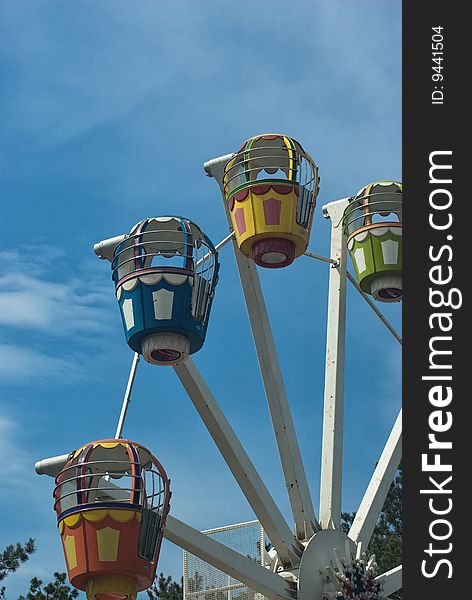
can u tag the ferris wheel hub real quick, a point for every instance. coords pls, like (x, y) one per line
(313, 583)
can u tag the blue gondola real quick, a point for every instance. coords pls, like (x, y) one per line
(165, 273)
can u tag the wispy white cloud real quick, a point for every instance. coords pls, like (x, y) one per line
(131, 59)
(156, 54)
(31, 299)
(14, 460)
(23, 364)
(27, 301)
(49, 324)
(26, 500)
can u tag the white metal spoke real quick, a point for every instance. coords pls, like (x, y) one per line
(229, 561)
(374, 308)
(314, 558)
(292, 465)
(218, 246)
(391, 580)
(266, 510)
(127, 398)
(352, 280)
(333, 413)
(377, 490)
(294, 473)
(320, 257)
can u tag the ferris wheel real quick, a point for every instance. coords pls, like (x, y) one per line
(112, 496)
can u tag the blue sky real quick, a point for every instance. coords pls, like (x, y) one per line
(108, 110)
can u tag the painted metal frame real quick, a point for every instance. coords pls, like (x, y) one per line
(288, 548)
(230, 587)
(287, 444)
(127, 398)
(288, 545)
(229, 561)
(333, 413)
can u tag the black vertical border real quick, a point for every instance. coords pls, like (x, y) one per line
(427, 128)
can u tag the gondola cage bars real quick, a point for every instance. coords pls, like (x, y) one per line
(111, 500)
(373, 229)
(270, 187)
(165, 272)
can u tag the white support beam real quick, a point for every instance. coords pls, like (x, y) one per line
(287, 444)
(377, 490)
(229, 561)
(288, 548)
(333, 412)
(127, 397)
(391, 581)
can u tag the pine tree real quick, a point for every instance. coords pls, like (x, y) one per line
(165, 588)
(12, 558)
(55, 590)
(386, 541)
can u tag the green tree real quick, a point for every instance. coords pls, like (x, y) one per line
(386, 541)
(12, 558)
(55, 590)
(165, 588)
